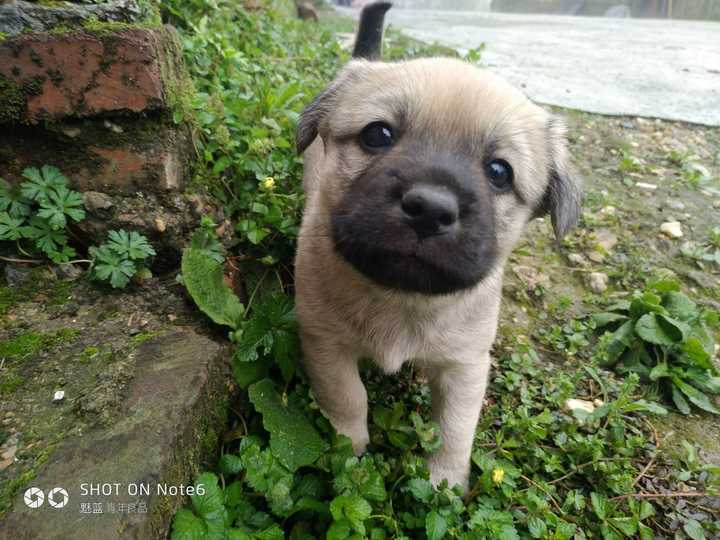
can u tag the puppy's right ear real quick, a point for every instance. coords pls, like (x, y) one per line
(311, 117)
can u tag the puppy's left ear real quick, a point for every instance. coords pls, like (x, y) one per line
(563, 196)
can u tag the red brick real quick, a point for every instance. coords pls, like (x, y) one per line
(122, 157)
(80, 74)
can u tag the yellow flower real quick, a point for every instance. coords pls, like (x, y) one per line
(269, 182)
(497, 476)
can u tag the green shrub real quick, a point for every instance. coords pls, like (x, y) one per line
(663, 336)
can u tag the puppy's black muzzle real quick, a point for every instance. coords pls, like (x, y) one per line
(424, 224)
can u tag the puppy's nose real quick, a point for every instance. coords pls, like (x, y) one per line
(430, 209)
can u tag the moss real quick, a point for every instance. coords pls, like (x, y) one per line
(21, 346)
(8, 299)
(29, 343)
(12, 487)
(142, 337)
(12, 102)
(9, 384)
(103, 28)
(60, 293)
(179, 88)
(32, 86)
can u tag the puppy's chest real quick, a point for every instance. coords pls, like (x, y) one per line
(393, 340)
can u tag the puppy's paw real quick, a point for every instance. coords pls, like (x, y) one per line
(358, 435)
(454, 475)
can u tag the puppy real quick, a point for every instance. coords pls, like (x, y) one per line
(420, 177)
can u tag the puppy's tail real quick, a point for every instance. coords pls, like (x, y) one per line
(368, 43)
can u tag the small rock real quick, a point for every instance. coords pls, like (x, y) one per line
(671, 229)
(606, 239)
(94, 201)
(674, 205)
(112, 127)
(531, 276)
(598, 282)
(160, 225)
(596, 256)
(17, 276)
(577, 259)
(69, 271)
(702, 170)
(8, 457)
(572, 404)
(58, 396)
(716, 204)
(72, 132)
(598, 402)
(645, 185)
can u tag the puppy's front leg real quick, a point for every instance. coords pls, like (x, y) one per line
(457, 395)
(335, 380)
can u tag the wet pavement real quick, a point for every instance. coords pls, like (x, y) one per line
(656, 68)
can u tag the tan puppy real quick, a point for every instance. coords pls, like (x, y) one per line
(420, 178)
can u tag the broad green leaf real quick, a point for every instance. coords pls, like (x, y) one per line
(353, 508)
(626, 525)
(209, 505)
(46, 238)
(694, 352)
(435, 526)
(680, 402)
(187, 526)
(646, 510)
(659, 371)
(204, 281)
(132, 245)
(40, 184)
(645, 532)
(603, 319)
(645, 406)
(247, 373)
(421, 489)
(61, 203)
(230, 464)
(694, 530)
(109, 266)
(294, 441)
(12, 202)
(695, 396)
(649, 328)
(679, 305)
(10, 227)
(619, 341)
(599, 504)
(537, 527)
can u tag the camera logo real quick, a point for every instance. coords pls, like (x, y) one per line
(57, 497)
(34, 497)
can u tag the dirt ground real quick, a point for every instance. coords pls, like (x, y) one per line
(638, 174)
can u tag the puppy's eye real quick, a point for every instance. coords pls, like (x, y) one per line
(376, 135)
(500, 174)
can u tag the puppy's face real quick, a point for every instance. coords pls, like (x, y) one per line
(430, 169)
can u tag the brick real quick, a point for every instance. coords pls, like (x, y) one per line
(81, 74)
(120, 157)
